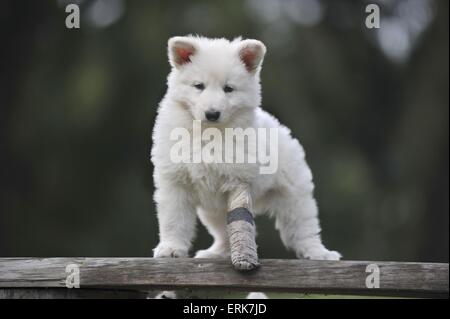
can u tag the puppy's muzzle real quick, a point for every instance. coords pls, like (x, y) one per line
(212, 116)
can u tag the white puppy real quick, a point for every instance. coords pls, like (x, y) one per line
(217, 82)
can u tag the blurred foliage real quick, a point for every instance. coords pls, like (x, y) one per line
(370, 107)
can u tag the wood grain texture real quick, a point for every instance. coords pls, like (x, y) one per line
(64, 293)
(306, 276)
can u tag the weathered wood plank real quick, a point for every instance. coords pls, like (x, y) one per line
(328, 277)
(64, 293)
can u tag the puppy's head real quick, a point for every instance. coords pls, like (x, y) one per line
(214, 79)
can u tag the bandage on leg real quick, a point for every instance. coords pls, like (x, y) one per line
(241, 231)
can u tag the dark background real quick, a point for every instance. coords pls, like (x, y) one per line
(369, 106)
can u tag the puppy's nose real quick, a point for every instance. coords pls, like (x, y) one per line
(212, 116)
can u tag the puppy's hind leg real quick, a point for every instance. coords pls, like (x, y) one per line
(298, 223)
(216, 225)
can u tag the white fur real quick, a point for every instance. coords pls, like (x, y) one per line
(184, 191)
(256, 295)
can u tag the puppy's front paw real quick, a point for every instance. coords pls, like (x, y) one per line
(168, 251)
(245, 265)
(323, 254)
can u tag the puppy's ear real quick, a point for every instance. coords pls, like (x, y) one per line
(252, 54)
(180, 50)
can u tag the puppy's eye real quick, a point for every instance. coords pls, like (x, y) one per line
(228, 89)
(199, 86)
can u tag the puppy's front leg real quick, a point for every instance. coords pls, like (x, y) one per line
(241, 229)
(176, 218)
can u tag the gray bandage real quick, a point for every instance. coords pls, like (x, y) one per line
(241, 235)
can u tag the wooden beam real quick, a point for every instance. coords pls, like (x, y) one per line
(305, 276)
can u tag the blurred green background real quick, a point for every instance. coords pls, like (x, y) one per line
(370, 106)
